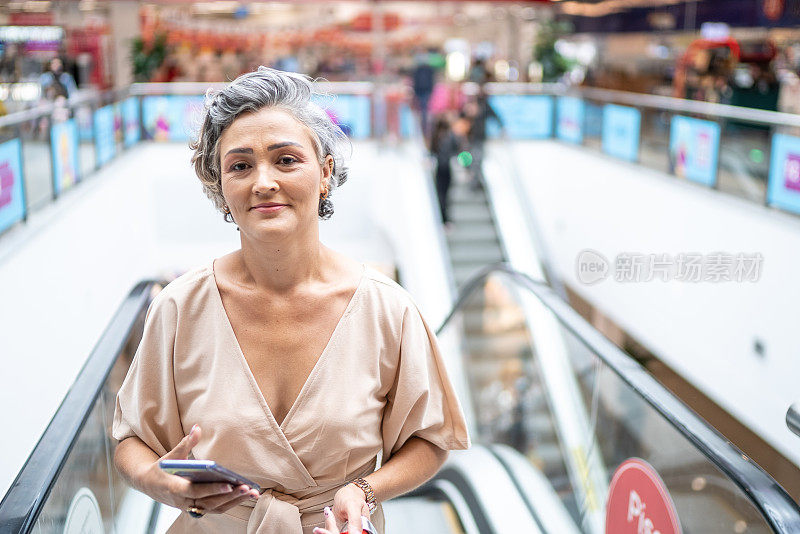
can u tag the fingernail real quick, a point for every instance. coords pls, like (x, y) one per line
(227, 488)
(326, 511)
(192, 430)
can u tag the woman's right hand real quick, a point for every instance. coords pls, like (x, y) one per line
(176, 491)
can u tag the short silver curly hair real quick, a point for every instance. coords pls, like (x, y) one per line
(251, 92)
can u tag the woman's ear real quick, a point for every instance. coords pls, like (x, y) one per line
(327, 174)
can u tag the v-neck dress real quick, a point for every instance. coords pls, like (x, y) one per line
(379, 381)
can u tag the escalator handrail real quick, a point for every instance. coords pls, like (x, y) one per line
(28, 494)
(766, 495)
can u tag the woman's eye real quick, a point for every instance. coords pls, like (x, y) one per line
(239, 166)
(287, 160)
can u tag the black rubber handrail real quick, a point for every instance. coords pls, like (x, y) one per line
(773, 502)
(23, 502)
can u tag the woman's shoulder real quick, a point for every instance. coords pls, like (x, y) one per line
(387, 290)
(186, 287)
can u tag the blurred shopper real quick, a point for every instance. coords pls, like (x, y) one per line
(479, 73)
(447, 140)
(479, 112)
(56, 82)
(423, 79)
(243, 360)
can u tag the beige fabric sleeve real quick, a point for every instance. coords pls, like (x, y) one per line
(146, 403)
(421, 401)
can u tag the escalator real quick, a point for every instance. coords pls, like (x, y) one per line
(557, 410)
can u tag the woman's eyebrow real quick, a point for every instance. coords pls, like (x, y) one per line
(283, 144)
(239, 151)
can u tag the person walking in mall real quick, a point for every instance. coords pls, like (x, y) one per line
(284, 361)
(55, 82)
(479, 111)
(423, 79)
(447, 141)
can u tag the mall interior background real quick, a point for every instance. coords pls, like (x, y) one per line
(728, 351)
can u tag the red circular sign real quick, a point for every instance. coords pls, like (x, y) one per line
(638, 502)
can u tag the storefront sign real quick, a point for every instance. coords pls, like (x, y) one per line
(12, 197)
(172, 117)
(130, 121)
(350, 112)
(621, 126)
(694, 149)
(523, 116)
(64, 141)
(570, 113)
(783, 190)
(104, 141)
(639, 503)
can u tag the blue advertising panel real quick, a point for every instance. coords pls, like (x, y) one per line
(783, 190)
(621, 131)
(694, 149)
(408, 122)
(350, 112)
(523, 116)
(593, 123)
(172, 118)
(118, 125)
(570, 116)
(64, 143)
(104, 144)
(12, 196)
(130, 121)
(83, 115)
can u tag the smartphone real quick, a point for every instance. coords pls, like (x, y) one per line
(205, 471)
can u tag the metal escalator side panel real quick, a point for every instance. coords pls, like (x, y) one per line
(494, 499)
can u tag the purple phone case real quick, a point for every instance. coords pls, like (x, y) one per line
(205, 471)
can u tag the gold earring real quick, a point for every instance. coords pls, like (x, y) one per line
(226, 209)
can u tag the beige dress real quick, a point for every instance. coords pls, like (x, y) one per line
(379, 381)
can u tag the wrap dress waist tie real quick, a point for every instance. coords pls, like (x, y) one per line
(279, 513)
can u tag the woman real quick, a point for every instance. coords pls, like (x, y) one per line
(283, 361)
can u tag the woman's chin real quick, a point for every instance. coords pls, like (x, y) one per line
(273, 227)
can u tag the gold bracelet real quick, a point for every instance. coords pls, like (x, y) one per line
(364, 486)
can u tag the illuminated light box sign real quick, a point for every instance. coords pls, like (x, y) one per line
(172, 117)
(783, 189)
(621, 125)
(12, 195)
(105, 147)
(570, 114)
(350, 112)
(130, 121)
(64, 142)
(523, 116)
(24, 34)
(694, 149)
(638, 501)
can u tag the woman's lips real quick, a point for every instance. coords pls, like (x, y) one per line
(269, 209)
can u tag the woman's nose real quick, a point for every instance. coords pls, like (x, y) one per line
(265, 181)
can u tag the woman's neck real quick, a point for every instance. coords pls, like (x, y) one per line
(280, 267)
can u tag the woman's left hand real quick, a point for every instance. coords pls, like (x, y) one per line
(349, 504)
